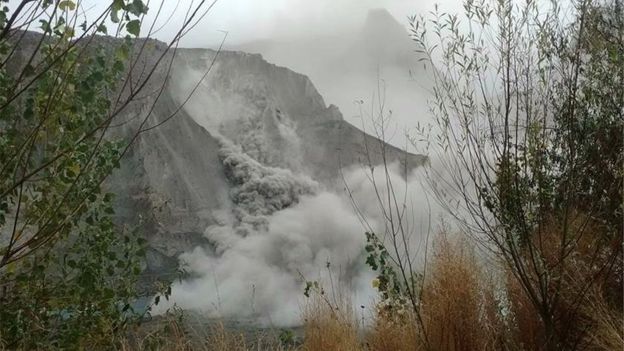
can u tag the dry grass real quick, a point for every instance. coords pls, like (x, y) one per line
(458, 305)
(577, 272)
(168, 335)
(462, 308)
(458, 308)
(392, 332)
(171, 335)
(219, 338)
(527, 330)
(607, 329)
(330, 325)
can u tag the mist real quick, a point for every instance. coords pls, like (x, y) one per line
(249, 20)
(281, 227)
(348, 48)
(260, 275)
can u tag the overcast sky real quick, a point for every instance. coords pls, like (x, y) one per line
(257, 19)
(248, 20)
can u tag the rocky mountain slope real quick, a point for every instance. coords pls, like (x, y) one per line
(250, 131)
(238, 169)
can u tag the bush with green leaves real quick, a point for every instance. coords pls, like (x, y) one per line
(527, 138)
(68, 273)
(529, 125)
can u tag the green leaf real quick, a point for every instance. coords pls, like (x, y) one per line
(137, 8)
(117, 6)
(102, 29)
(123, 53)
(45, 26)
(134, 27)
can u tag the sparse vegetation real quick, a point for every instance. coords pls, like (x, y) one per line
(524, 116)
(464, 306)
(68, 274)
(329, 323)
(529, 107)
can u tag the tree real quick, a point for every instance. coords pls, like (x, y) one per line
(528, 108)
(67, 273)
(395, 245)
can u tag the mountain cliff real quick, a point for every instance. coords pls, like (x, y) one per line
(247, 131)
(238, 172)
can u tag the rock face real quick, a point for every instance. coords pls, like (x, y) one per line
(247, 132)
(237, 139)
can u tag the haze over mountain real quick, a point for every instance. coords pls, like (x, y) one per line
(353, 69)
(242, 178)
(246, 184)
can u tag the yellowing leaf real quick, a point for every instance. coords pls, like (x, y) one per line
(67, 5)
(75, 168)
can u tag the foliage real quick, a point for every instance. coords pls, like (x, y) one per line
(530, 128)
(287, 337)
(393, 291)
(68, 273)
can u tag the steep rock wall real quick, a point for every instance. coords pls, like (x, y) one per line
(251, 140)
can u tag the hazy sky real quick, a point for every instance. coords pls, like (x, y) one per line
(284, 20)
(248, 20)
(256, 19)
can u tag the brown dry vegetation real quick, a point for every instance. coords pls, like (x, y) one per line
(394, 332)
(461, 308)
(458, 307)
(173, 334)
(329, 325)
(584, 273)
